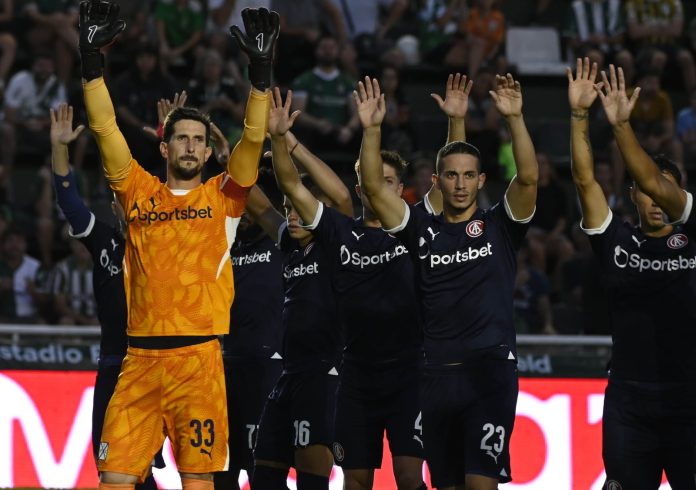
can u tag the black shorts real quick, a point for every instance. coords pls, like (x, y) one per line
(248, 385)
(646, 430)
(298, 413)
(370, 400)
(468, 416)
(104, 386)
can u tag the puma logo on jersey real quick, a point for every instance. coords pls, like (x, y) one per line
(92, 32)
(432, 233)
(418, 439)
(114, 244)
(357, 237)
(638, 242)
(203, 451)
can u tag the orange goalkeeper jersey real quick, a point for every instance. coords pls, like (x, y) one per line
(177, 270)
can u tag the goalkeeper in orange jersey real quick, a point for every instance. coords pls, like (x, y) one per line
(177, 272)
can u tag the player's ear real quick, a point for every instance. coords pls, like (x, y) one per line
(164, 149)
(481, 180)
(400, 188)
(436, 181)
(357, 190)
(208, 152)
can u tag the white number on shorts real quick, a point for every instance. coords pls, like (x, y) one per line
(301, 432)
(490, 429)
(251, 428)
(419, 425)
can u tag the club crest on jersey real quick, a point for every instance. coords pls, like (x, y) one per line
(677, 241)
(475, 228)
(614, 485)
(338, 451)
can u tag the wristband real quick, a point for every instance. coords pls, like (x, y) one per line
(260, 75)
(293, 148)
(92, 64)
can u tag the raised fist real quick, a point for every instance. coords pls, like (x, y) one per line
(262, 29)
(99, 24)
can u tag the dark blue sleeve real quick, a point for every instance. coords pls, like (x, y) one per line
(326, 227)
(516, 230)
(604, 240)
(78, 215)
(411, 231)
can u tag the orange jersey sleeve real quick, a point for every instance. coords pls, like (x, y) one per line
(178, 274)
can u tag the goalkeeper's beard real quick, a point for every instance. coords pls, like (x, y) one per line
(182, 171)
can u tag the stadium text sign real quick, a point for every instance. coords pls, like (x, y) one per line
(45, 427)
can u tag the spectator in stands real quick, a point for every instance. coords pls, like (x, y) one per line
(8, 43)
(302, 24)
(29, 95)
(18, 274)
(420, 182)
(483, 34)
(597, 29)
(483, 122)
(395, 127)
(73, 295)
(686, 129)
(365, 30)
(134, 93)
(437, 27)
(655, 27)
(180, 26)
(325, 97)
(54, 23)
(531, 301)
(216, 95)
(138, 16)
(548, 245)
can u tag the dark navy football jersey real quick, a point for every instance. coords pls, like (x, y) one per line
(651, 284)
(311, 333)
(466, 276)
(373, 279)
(255, 316)
(106, 246)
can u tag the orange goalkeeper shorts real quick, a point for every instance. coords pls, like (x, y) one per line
(179, 393)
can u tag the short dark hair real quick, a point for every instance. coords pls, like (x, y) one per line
(667, 166)
(391, 158)
(181, 113)
(455, 148)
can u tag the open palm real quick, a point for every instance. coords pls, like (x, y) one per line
(617, 105)
(456, 101)
(370, 102)
(581, 89)
(279, 119)
(507, 96)
(62, 132)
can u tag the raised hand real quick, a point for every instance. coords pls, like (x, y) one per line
(222, 146)
(581, 89)
(370, 102)
(62, 132)
(507, 96)
(164, 107)
(617, 105)
(99, 24)
(262, 29)
(279, 119)
(456, 101)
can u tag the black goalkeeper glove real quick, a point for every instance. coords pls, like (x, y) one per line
(261, 28)
(99, 26)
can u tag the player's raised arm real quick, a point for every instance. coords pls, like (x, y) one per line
(388, 206)
(647, 175)
(261, 209)
(581, 95)
(69, 201)
(99, 26)
(257, 42)
(321, 174)
(455, 106)
(522, 191)
(306, 205)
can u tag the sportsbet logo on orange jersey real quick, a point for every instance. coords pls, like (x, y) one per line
(150, 214)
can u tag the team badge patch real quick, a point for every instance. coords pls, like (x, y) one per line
(677, 241)
(614, 485)
(338, 451)
(103, 451)
(475, 228)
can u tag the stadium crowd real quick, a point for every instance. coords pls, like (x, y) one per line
(171, 46)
